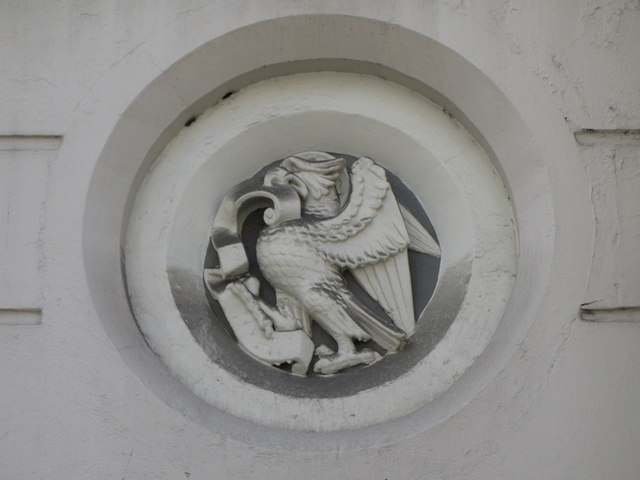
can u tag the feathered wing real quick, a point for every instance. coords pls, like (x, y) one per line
(389, 283)
(420, 240)
(370, 238)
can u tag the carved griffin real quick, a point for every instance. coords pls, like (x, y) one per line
(337, 220)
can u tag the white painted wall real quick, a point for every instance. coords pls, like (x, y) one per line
(82, 395)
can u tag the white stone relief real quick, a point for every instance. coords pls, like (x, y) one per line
(440, 174)
(321, 219)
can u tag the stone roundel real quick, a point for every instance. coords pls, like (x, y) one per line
(435, 163)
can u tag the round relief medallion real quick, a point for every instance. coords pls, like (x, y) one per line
(321, 252)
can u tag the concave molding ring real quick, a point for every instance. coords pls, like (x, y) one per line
(339, 112)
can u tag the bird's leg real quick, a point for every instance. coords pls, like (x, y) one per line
(345, 347)
(346, 356)
(345, 344)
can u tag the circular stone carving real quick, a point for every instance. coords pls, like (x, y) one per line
(438, 161)
(340, 255)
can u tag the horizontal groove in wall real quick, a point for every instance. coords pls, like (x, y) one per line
(590, 137)
(606, 315)
(20, 316)
(29, 142)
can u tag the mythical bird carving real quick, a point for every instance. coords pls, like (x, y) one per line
(323, 220)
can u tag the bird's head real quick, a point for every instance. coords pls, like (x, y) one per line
(283, 176)
(319, 178)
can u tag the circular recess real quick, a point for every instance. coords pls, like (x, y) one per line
(432, 154)
(211, 329)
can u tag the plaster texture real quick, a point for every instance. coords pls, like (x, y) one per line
(612, 163)
(92, 92)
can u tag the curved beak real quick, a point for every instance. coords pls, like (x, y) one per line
(284, 176)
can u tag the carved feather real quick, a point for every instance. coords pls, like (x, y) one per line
(389, 283)
(370, 238)
(370, 229)
(419, 239)
(386, 336)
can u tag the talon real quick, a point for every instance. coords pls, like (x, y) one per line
(324, 351)
(267, 328)
(341, 360)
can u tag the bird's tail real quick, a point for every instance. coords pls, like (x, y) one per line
(387, 336)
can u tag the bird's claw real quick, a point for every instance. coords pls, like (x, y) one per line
(267, 328)
(341, 360)
(323, 351)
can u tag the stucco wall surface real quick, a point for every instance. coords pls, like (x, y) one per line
(91, 92)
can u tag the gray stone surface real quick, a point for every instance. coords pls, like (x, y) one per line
(83, 395)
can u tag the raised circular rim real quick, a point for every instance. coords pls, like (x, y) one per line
(359, 115)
